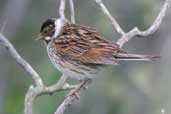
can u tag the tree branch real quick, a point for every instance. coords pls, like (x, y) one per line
(23, 63)
(71, 97)
(39, 88)
(60, 21)
(72, 11)
(62, 9)
(111, 18)
(135, 31)
(65, 104)
(153, 28)
(33, 92)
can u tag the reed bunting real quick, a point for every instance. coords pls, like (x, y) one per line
(79, 51)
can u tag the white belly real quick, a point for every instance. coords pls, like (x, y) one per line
(67, 68)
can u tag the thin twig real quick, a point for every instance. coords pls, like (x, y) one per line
(62, 9)
(153, 28)
(60, 21)
(23, 63)
(40, 89)
(33, 92)
(111, 18)
(72, 11)
(65, 104)
(71, 97)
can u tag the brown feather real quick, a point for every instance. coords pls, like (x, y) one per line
(85, 44)
(79, 51)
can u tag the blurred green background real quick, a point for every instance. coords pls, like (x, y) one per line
(129, 88)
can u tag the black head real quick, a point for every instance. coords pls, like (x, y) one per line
(47, 29)
(47, 24)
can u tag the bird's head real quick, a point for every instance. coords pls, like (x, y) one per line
(47, 30)
(50, 29)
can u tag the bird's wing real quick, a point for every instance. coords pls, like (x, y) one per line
(85, 44)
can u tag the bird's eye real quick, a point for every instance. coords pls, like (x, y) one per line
(45, 30)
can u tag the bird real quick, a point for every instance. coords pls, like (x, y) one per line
(79, 51)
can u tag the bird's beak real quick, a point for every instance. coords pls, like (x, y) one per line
(40, 37)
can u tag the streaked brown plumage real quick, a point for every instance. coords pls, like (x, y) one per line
(79, 51)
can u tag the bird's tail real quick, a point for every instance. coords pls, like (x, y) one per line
(138, 57)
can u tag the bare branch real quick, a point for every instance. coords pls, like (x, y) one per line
(112, 19)
(37, 91)
(39, 88)
(71, 97)
(153, 28)
(60, 21)
(62, 9)
(33, 92)
(29, 98)
(72, 11)
(23, 63)
(56, 87)
(65, 104)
